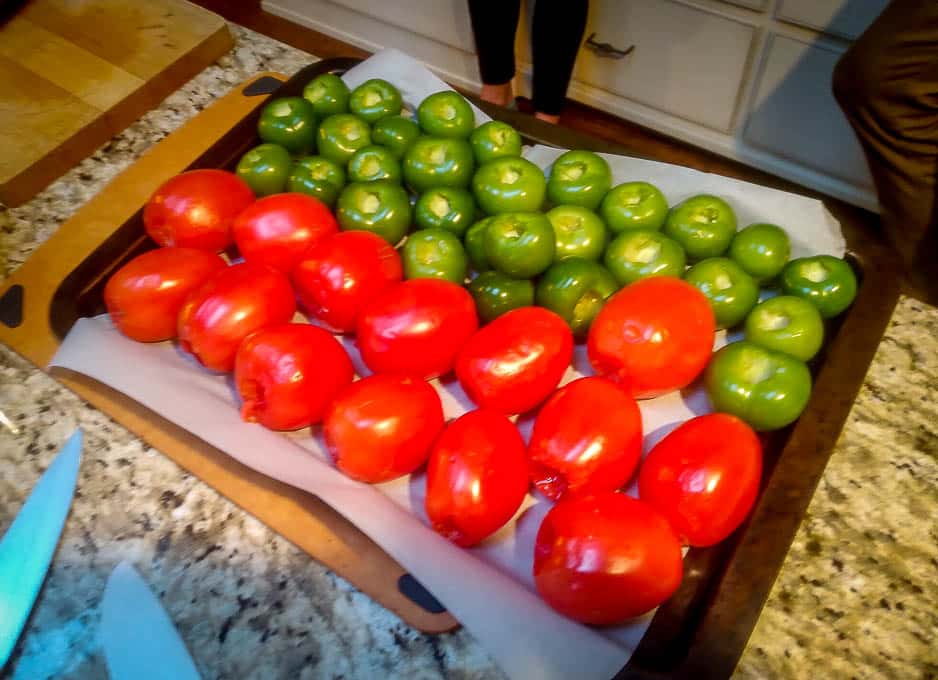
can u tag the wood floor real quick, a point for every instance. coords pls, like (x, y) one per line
(576, 116)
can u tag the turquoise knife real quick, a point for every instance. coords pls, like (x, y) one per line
(28, 545)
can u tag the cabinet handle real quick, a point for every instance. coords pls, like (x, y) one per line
(607, 50)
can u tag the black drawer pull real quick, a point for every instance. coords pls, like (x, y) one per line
(607, 50)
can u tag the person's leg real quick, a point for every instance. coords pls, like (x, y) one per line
(555, 40)
(494, 24)
(887, 85)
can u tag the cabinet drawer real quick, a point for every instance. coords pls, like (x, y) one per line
(794, 114)
(687, 61)
(846, 18)
(446, 21)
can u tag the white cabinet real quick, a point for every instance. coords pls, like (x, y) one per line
(794, 114)
(693, 74)
(748, 79)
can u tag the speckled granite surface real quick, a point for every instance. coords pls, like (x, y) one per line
(858, 595)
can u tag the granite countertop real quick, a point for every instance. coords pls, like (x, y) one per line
(857, 596)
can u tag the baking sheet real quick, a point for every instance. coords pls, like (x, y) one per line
(489, 588)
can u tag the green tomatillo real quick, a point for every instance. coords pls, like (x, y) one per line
(375, 99)
(634, 255)
(328, 94)
(704, 225)
(373, 163)
(447, 208)
(395, 133)
(380, 207)
(495, 139)
(434, 254)
(786, 324)
(446, 114)
(578, 232)
(317, 177)
(761, 249)
(579, 178)
(731, 291)
(438, 162)
(765, 388)
(265, 168)
(519, 244)
(576, 289)
(509, 185)
(826, 281)
(289, 122)
(634, 205)
(496, 293)
(341, 135)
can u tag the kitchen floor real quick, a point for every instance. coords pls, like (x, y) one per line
(858, 594)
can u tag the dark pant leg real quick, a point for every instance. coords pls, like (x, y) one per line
(555, 40)
(887, 85)
(494, 23)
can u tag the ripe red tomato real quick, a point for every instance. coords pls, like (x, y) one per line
(231, 305)
(704, 477)
(653, 336)
(382, 427)
(512, 364)
(416, 327)
(587, 437)
(288, 375)
(341, 273)
(476, 477)
(279, 230)
(601, 559)
(196, 208)
(145, 295)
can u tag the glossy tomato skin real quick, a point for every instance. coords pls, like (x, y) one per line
(601, 559)
(704, 477)
(653, 336)
(476, 477)
(145, 295)
(586, 438)
(416, 327)
(515, 362)
(287, 375)
(195, 209)
(411, 415)
(342, 273)
(279, 230)
(231, 305)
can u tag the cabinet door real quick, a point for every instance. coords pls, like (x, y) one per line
(794, 114)
(446, 21)
(686, 61)
(847, 18)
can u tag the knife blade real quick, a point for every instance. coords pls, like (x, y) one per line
(139, 639)
(28, 545)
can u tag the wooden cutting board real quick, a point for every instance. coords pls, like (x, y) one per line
(77, 72)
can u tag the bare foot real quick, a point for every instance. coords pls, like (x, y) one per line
(550, 118)
(497, 94)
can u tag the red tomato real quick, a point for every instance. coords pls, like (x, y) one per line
(476, 477)
(382, 427)
(601, 559)
(340, 274)
(287, 375)
(653, 336)
(279, 230)
(512, 364)
(145, 295)
(587, 437)
(704, 477)
(416, 327)
(196, 209)
(234, 303)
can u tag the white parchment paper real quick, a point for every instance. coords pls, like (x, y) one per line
(489, 588)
